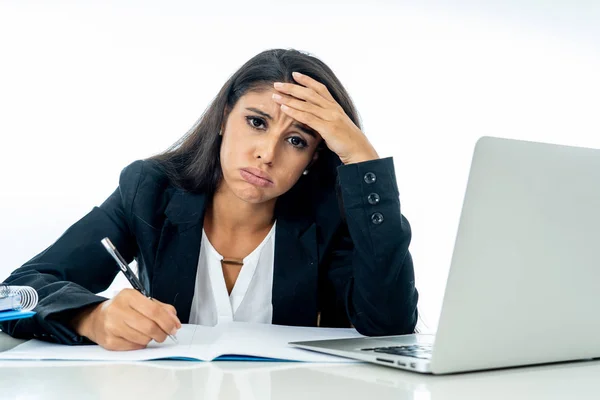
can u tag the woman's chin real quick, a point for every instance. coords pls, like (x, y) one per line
(253, 195)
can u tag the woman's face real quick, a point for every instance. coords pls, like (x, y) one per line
(264, 151)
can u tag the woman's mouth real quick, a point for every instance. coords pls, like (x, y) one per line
(256, 177)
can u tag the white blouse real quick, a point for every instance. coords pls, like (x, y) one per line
(251, 296)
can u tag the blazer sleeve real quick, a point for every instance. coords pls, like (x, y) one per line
(369, 275)
(68, 273)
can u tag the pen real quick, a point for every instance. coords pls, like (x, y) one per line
(137, 285)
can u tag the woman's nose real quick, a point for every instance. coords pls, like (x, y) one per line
(267, 148)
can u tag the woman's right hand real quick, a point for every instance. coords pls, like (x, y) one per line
(128, 321)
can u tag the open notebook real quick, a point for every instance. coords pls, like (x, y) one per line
(226, 341)
(17, 302)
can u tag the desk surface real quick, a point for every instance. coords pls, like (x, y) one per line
(274, 380)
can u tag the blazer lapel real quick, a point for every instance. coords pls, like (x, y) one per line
(295, 272)
(178, 251)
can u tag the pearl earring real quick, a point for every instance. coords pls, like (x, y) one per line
(305, 172)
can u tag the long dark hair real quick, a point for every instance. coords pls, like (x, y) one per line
(192, 163)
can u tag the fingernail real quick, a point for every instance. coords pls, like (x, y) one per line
(276, 96)
(278, 84)
(296, 74)
(173, 331)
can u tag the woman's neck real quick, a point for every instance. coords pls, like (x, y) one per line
(235, 217)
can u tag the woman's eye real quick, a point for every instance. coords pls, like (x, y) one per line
(259, 124)
(297, 142)
(255, 122)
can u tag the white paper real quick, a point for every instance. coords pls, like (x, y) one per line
(200, 343)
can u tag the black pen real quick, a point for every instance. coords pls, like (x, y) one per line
(137, 285)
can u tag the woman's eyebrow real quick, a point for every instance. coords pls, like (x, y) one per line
(303, 128)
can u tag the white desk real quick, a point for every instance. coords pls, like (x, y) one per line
(269, 380)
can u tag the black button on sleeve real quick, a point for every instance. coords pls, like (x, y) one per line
(370, 177)
(373, 199)
(377, 218)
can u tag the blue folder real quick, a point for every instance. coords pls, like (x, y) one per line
(9, 315)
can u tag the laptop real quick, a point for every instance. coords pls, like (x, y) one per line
(524, 280)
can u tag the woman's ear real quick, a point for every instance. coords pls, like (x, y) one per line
(314, 159)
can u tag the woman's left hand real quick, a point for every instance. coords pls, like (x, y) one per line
(313, 105)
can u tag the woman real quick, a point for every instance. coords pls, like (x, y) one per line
(274, 208)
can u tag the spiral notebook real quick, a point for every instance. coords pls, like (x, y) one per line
(17, 302)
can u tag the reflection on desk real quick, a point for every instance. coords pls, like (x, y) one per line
(273, 380)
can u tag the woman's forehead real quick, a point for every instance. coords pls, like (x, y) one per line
(263, 95)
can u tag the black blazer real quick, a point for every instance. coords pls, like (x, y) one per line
(357, 272)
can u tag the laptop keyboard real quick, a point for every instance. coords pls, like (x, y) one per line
(416, 350)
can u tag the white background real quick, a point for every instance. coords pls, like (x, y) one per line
(88, 87)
